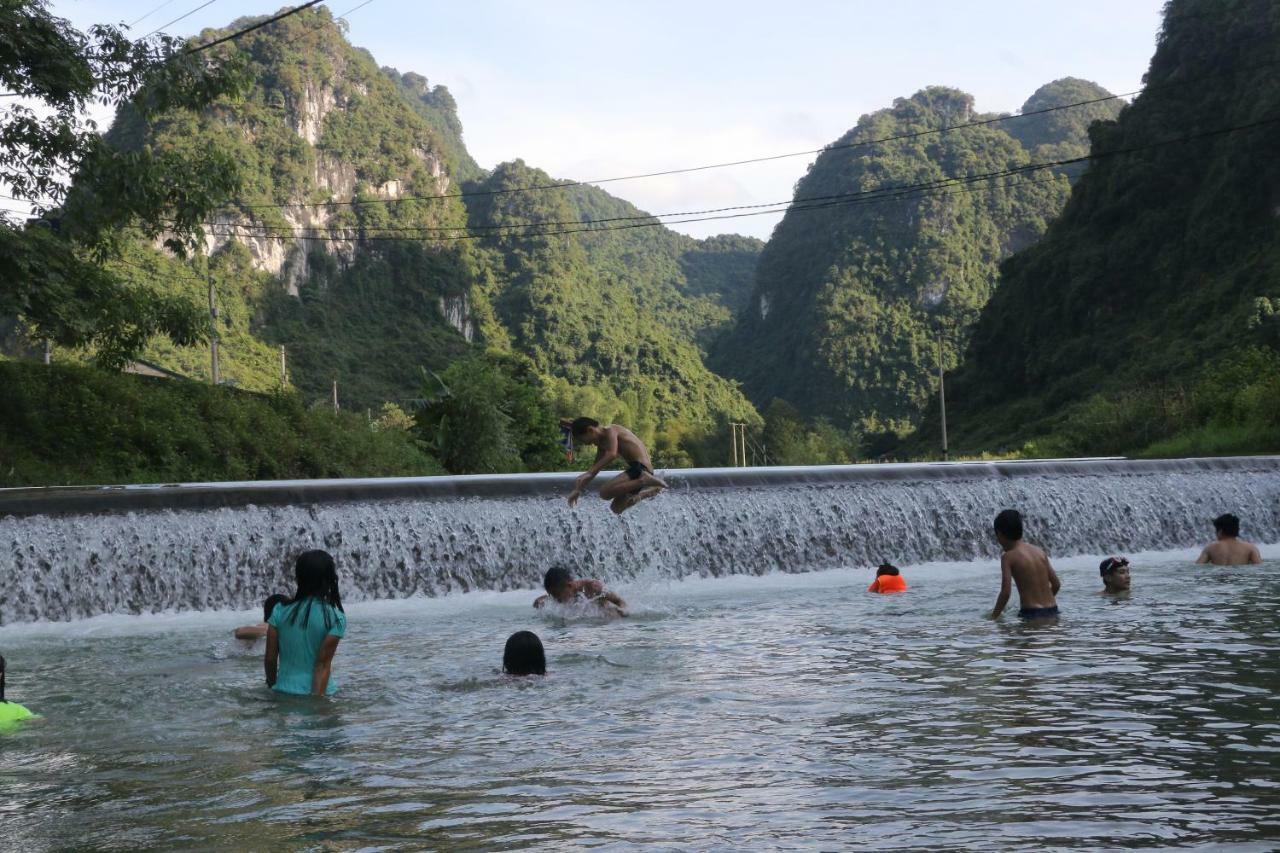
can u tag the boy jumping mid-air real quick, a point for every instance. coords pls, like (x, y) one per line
(634, 484)
(1028, 567)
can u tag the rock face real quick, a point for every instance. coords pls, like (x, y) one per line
(850, 293)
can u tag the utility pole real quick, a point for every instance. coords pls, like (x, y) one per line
(335, 394)
(284, 371)
(942, 397)
(48, 351)
(213, 332)
(739, 444)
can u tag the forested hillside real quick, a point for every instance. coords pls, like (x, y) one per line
(1148, 318)
(372, 292)
(851, 293)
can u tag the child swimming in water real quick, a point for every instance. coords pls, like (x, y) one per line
(524, 655)
(11, 713)
(561, 587)
(257, 632)
(1028, 567)
(303, 635)
(1115, 575)
(888, 579)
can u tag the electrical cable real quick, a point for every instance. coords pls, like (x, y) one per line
(179, 18)
(239, 33)
(653, 220)
(152, 12)
(668, 172)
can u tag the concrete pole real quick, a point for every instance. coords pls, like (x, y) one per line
(213, 334)
(733, 438)
(942, 397)
(335, 394)
(284, 370)
(743, 444)
(48, 351)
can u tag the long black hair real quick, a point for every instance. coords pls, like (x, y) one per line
(317, 578)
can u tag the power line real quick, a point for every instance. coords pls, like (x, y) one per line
(922, 192)
(238, 33)
(877, 194)
(834, 147)
(179, 18)
(152, 12)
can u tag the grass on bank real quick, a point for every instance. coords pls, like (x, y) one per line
(71, 425)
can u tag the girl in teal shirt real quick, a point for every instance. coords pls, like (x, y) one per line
(303, 634)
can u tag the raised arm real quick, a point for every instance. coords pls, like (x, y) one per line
(606, 452)
(271, 658)
(324, 665)
(1006, 584)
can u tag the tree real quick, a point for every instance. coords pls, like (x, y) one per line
(49, 275)
(486, 414)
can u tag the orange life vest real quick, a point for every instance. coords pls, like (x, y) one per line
(888, 583)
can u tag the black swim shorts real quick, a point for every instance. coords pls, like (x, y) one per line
(636, 470)
(1037, 613)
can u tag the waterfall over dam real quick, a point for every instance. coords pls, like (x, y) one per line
(69, 553)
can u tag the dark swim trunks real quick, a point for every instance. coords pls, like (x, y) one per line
(1037, 613)
(636, 470)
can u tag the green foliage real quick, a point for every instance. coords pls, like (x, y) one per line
(64, 425)
(436, 105)
(49, 280)
(62, 297)
(1062, 134)
(1165, 260)
(1229, 406)
(487, 414)
(602, 310)
(844, 317)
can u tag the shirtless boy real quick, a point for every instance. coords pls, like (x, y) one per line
(1229, 550)
(630, 487)
(561, 587)
(1029, 568)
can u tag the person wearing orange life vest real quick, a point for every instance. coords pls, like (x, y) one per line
(888, 579)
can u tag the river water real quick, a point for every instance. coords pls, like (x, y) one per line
(783, 711)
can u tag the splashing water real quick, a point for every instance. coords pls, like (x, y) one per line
(503, 533)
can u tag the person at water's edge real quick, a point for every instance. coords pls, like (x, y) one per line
(1230, 549)
(1028, 567)
(634, 484)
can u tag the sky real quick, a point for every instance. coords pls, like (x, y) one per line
(590, 89)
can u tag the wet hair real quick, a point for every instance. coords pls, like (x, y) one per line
(1228, 524)
(579, 426)
(1009, 524)
(556, 577)
(2, 699)
(317, 578)
(524, 655)
(270, 604)
(1110, 564)
(887, 569)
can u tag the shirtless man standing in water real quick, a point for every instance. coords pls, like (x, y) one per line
(630, 487)
(1230, 549)
(1029, 568)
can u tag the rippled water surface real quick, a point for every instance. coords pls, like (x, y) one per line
(787, 711)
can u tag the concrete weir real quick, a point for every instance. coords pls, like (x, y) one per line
(68, 553)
